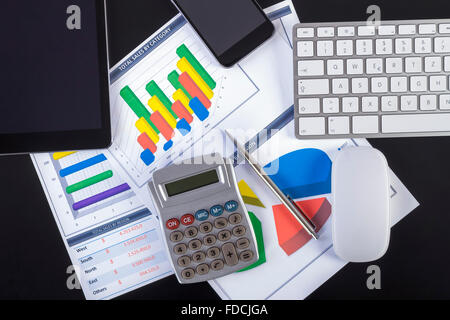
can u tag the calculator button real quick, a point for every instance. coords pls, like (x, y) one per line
(216, 211)
(239, 231)
(191, 232)
(224, 235)
(242, 243)
(229, 254)
(246, 256)
(202, 269)
(220, 223)
(231, 206)
(187, 219)
(172, 224)
(188, 273)
(206, 227)
(201, 215)
(176, 236)
(213, 252)
(235, 218)
(199, 257)
(195, 244)
(180, 249)
(217, 265)
(209, 240)
(184, 261)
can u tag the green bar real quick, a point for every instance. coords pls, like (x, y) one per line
(173, 79)
(89, 182)
(183, 51)
(136, 105)
(155, 90)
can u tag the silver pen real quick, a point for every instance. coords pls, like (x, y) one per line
(298, 213)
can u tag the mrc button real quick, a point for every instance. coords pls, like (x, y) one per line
(172, 224)
(187, 219)
(201, 215)
(231, 206)
(216, 211)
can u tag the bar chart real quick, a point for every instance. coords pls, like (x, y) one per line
(176, 96)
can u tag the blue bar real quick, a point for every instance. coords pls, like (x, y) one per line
(148, 157)
(184, 127)
(82, 165)
(199, 109)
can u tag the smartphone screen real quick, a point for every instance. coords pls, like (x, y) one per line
(223, 24)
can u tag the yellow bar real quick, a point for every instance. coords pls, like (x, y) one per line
(143, 126)
(179, 95)
(185, 66)
(156, 105)
(59, 155)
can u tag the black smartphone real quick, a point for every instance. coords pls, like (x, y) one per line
(230, 28)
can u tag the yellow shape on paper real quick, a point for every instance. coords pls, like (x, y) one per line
(156, 105)
(248, 195)
(185, 66)
(59, 155)
(179, 95)
(143, 126)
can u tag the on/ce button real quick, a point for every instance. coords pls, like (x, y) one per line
(187, 219)
(172, 224)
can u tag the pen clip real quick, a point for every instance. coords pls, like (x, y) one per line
(301, 211)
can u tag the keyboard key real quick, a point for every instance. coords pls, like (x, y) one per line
(374, 66)
(386, 30)
(338, 125)
(311, 126)
(356, 66)
(172, 224)
(408, 103)
(230, 254)
(369, 104)
(399, 84)
(442, 45)
(427, 29)
(325, 48)
(188, 274)
(331, 105)
(220, 223)
(305, 49)
(217, 265)
(350, 104)
(305, 32)
(444, 28)
(198, 257)
(235, 218)
(366, 31)
(428, 102)
(433, 64)
(224, 235)
(407, 29)
(180, 249)
(360, 85)
(379, 85)
(340, 86)
(213, 252)
(176, 236)
(206, 227)
(383, 46)
(325, 32)
(202, 269)
(409, 123)
(239, 231)
(242, 243)
(246, 256)
(344, 47)
(209, 240)
(346, 31)
(447, 64)
(444, 102)
(403, 46)
(365, 124)
(335, 67)
(419, 84)
(413, 65)
(313, 87)
(364, 47)
(308, 68)
(438, 83)
(191, 232)
(422, 45)
(309, 106)
(184, 261)
(394, 65)
(389, 103)
(195, 244)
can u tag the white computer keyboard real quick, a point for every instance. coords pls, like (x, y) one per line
(355, 80)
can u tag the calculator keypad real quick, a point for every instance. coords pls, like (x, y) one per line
(210, 239)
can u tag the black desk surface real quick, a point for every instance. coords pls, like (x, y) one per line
(34, 260)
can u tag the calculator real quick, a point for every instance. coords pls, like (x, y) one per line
(208, 233)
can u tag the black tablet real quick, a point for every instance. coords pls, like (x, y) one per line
(54, 76)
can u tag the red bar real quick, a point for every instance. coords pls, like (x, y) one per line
(146, 142)
(182, 112)
(193, 89)
(165, 129)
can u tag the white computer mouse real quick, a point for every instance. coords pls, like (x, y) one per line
(361, 195)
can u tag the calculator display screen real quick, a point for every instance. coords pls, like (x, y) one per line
(192, 183)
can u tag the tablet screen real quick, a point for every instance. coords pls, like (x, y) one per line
(50, 66)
